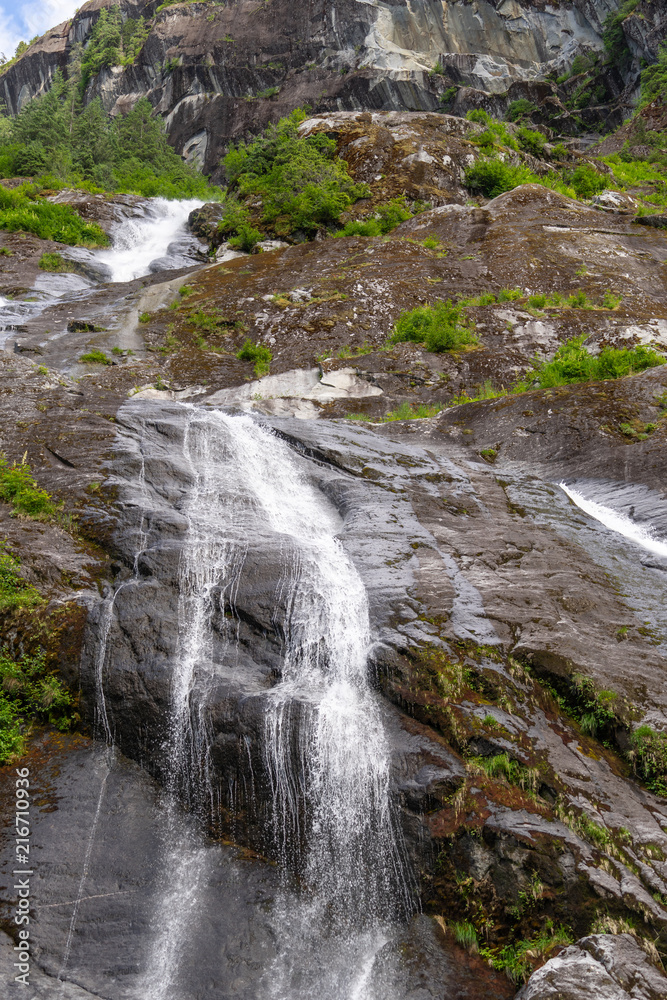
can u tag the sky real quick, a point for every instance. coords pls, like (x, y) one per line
(23, 19)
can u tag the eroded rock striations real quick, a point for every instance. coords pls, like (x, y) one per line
(215, 72)
(518, 641)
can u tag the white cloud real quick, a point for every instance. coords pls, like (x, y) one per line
(31, 18)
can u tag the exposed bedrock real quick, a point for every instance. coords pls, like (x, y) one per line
(205, 67)
(472, 573)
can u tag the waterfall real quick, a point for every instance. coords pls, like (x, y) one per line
(144, 244)
(620, 523)
(325, 749)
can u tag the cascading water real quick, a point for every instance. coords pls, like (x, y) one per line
(325, 748)
(642, 535)
(155, 241)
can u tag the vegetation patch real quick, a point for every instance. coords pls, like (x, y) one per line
(260, 356)
(493, 177)
(56, 263)
(518, 961)
(18, 488)
(246, 238)
(301, 185)
(30, 693)
(649, 758)
(21, 209)
(406, 411)
(511, 771)
(95, 357)
(15, 591)
(439, 328)
(573, 363)
(385, 218)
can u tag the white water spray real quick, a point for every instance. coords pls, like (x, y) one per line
(139, 242)
(637, 533)
(325, 747)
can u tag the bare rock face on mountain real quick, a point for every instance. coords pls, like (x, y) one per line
(216, 72)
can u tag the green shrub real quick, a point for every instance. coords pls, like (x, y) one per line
(439, 327)
(649, 758)
(531, 141)
(447, 98)
(12, 739)
(465, 934)
(15, 592)
(492, 177)
(478, 115)
(654, 78)
(392, 213)
(512, 771)
(573, 363)
(29, 692)
(22, 210)
(234, 215)
(613, 35)
(386, 218)
(260, 355)
(518, 960)
(96, 357)
(406, 411)
(246, 238)
(360, 227)
(520, 109)
(18, 488)
(585, 180)
(55, 262)
(560, 151)
(301, 184)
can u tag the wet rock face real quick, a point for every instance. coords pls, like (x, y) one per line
(229, 937)
(470, 572)
(604, 966)
(349, 56)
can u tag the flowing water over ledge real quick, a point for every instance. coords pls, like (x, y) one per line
(148, 239)
(324, 748)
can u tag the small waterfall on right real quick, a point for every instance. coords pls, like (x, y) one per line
(326, 755)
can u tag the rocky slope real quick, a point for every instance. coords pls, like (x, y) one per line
(218, 71)
(503, 613)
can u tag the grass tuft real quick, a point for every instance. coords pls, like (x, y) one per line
(257, 353)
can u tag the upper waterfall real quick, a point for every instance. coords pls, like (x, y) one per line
(157, 240)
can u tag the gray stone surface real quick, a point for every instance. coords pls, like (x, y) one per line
(602, 966)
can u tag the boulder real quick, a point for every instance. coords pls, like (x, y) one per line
(203, 222)
(603, 966)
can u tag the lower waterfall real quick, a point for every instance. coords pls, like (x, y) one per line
(326, 755)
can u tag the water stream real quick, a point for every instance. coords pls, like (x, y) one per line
(155, 241)
(644, 536)
(153, 238)
(325, 748)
